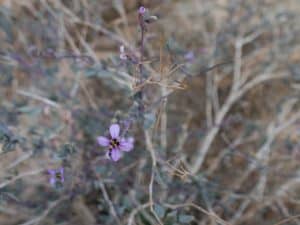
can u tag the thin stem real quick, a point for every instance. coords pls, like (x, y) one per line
(109, 202)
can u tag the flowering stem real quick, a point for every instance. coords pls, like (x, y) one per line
(140, 66)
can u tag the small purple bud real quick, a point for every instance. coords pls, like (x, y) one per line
(123, 55)
(142, 10)
(189, 56)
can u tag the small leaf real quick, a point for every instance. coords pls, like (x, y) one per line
(185, 218)
(98, 71)
(29, 110)
(171, 218)
(6, 24)
(100, 169)
(149, 120)
(6, 75)
(159, 210)
(66, 150)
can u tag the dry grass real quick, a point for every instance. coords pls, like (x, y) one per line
(217, 136)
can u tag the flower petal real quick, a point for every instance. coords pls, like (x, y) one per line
(107, 155)
(130, 139)
(62, 179)
(126, 145)
(114, 130)
(52, 181)
(103, 141)
(115, 154)
(51, 172)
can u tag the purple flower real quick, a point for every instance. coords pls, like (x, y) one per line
(142, 10)
(56, 175)
(190, 56)
(115, 143)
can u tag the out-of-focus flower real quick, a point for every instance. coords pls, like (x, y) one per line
(115, 143)
(56, 175)
(142, 10)
(189, 56)
(145, 17)
(123, 55)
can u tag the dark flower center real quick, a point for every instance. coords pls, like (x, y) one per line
(114, 143)
(58, 175)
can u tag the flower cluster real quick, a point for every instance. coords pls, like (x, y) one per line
(115, 143)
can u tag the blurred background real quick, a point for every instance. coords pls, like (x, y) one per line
(208, 89)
